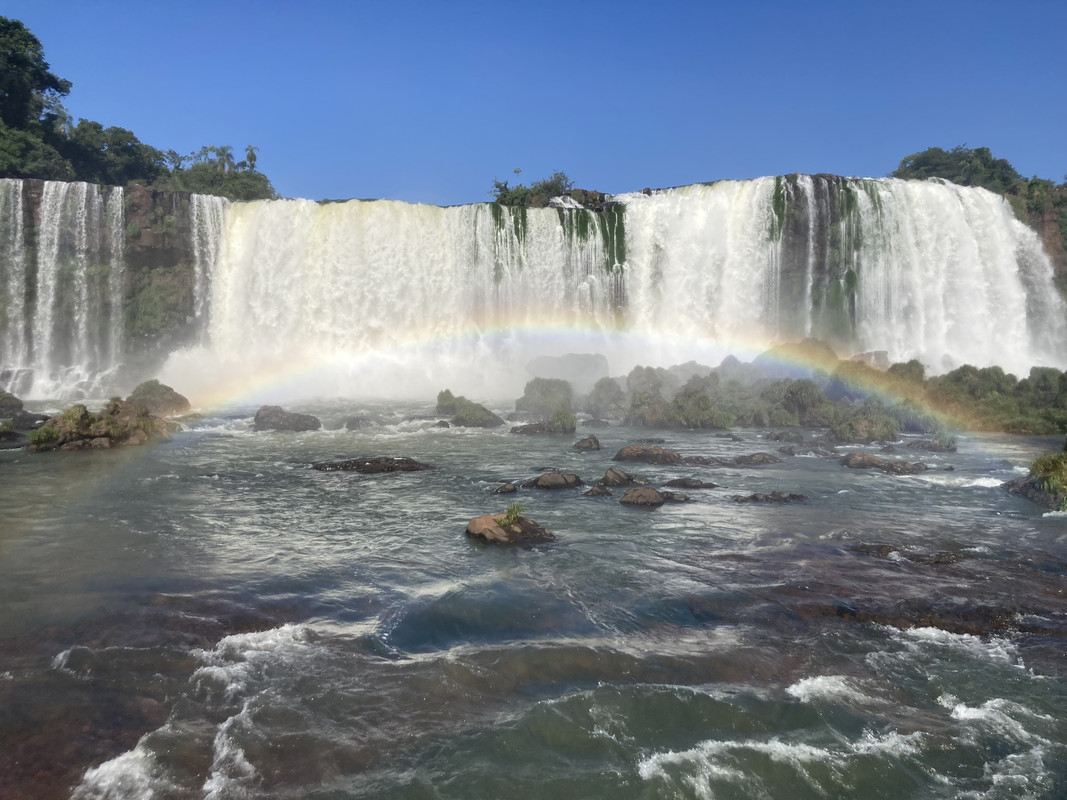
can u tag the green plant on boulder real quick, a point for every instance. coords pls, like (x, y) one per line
(510, 517)
(544, 396)
(469, 414)
(1051, 471)
(563, 421)
(46, 434)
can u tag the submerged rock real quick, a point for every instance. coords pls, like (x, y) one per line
(650, 454)
(616, 477)
(599, 491)
(861, 460)
(275, 418)
(506, 488)
(554, 480)
(773, 497)
(491, 528)
(372, 466)
(757, 460)
(690, 483)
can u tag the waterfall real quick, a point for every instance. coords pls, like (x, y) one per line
(395, 299)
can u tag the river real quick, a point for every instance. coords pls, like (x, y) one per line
(211, 618)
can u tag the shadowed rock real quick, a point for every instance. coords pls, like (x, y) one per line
(773, 497)
(159, 399)
(690, 483)
(275, 418)
(371, 466)
(616, 477)
(507, 488)
(860, 460)
(554, 480)
(587, 444)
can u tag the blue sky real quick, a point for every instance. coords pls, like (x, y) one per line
(430, 101)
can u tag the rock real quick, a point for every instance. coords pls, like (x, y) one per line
(443, 423)
(773, 497)
(1031, 488)
(9, 404)
(469, 414)
(120, 423)
(690, 483)
(587, 444)
(159, 399)
(674, 497)
(522, 532)
(599, 491)
(25, 421)
(275, 418)
(372, 466)
(757, 460)
(933, 446)
(861, 460)
(642, 496)
(507, 488)
(11, 439)
(650, 454)
(616, 477)
(554, 480)
(358, 423)
(534, 429)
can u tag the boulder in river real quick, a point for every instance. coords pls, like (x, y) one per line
(372, 466)
(506, 528)
(587, 444)
(616, 477)
(773, 497)
(275, 418)
(690, 483)
(554, 480)
(644, 496)
(119, 423)
(650, 454)
(862, 460)
(159, 399)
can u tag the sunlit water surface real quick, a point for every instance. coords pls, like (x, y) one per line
(212, 618)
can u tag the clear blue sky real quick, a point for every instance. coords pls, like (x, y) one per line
(430, 101)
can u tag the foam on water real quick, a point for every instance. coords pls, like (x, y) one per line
(831, 688)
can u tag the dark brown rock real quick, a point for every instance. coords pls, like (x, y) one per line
(372, 466)
(616, 477)
(690, 483)
(861, 460)
(650, 454)
(642, 496)
(275, 418)
(554, 480)
(599, 491)
(773, 497)
(507, 488)
(587, 444)
(757, 460)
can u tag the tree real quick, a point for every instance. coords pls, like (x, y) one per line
(250, 156)
(960, 165)
(25, 80)
(537, 193)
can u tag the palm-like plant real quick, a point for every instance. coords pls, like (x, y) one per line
(250, 156)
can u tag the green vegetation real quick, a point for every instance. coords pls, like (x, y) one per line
(40, 139)
(46, 434)
(563, 421)
(536, 194)
(966, 167)
(1051, 471)
(469, 414)
(511, 517)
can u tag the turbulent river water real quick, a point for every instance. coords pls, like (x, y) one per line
(212, 618)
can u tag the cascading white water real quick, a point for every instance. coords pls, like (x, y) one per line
(391, 299)
(62, 331)
(207, 213)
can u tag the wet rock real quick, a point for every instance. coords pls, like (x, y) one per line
(554, 480)
(522, 532)
(469, 414)
(587, 444)
(644, 496)
(673, 497)
(275, 418)
(25, 421)
(9, 404)
(757, 460)
(358, 423)
(933, 446)
(159, 399)
(1032, 488)
(372, 466)
(616, 477)
(650, 454)
(507, 488)
(861, 460)
(119, 423)
(12, 440)
(599, 491)
(690, 483)
(443, 423)
(773, 497)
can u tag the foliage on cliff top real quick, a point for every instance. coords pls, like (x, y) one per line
(537, 193)
(40, 139)
(960, 165)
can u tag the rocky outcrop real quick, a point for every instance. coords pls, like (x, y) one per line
(554, 480)
(372, 466)
(644, 496)
(159, 399)
(9, 405)
(861, 460)
(469, 414)
(120, 423)
(773, 497)
(588, 444)
(690, 483)
(275, 418)
(495, 529)
(506, 488)
(616, 477)
(649, 454)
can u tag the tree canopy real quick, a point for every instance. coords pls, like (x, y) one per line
(40, 139)
(537, 193)
(960, 165)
